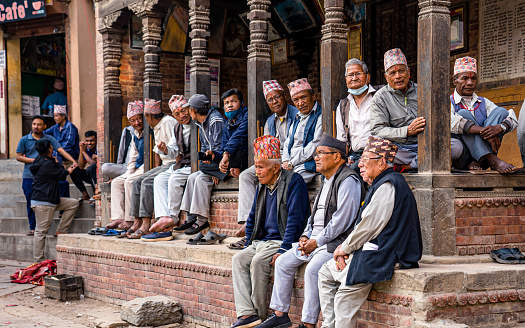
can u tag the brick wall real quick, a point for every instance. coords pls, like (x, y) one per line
(485, 224)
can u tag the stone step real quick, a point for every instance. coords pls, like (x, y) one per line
(8, 212)
(19, 225)
(11, 170)
(11, 187)
(84, 210)
(19, 247)
(11, 200)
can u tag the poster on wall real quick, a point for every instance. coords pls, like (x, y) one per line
(13, 10)
(215, 73)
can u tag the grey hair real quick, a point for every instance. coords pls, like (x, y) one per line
(355, 61)
(274, 161)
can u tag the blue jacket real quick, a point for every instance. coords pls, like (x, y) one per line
(309, 134)
(235, 135)
(68, 138)
(291, 111)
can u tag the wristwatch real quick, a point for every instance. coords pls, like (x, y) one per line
(290, 166)
(504, 127)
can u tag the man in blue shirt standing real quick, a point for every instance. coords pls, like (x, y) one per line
(64, 132)
(57, 98)
(26, 153)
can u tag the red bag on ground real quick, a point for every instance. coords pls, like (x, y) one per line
(34, 274)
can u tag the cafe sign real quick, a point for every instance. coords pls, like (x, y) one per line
(12, 11)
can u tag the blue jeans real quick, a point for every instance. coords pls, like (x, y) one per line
(27, 187)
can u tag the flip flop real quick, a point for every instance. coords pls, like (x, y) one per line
(195, 239)
(97, 231)
(238, 244)
(126, 233)
(211, 237)
(136, 235)
(112, 232)
(518, 255)
(504, 256)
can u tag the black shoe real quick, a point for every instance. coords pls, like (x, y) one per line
(196, 228)
(251, 321)
(187, 224)
(273, 321)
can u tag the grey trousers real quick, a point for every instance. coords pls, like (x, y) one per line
(112, 170)
(284, 275)
(168, 189)
(121, 188)
(251, 276)
(475, 147)
(407, 154)
(340, 302)
(44, 218)
(197, 195)
(141, 205)
(521, 133)
(247, 184)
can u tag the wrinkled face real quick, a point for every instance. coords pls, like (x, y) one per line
(304, 101)
(59, 118)
(231, 103)
(91, 142)
(356, 77)
(275, 100)
(182, 115)
(371, 165)
(466, 83)
(397, 77)
(137, 122)
(326, 159)
(38, 126)
(149, 119)
(266, 171)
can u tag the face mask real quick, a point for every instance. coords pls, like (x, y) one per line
(233, 114)
(358, 92)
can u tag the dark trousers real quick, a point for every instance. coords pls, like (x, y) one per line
(89, 175)
(27, 187)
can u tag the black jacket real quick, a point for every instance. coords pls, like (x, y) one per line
(46, 175)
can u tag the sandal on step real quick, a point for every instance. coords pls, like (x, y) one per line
(210, 238)
(112, 232)
(518, 255)
(504, 256)
(136, 235)
(126, 233)
(238, 244)
(195, 239)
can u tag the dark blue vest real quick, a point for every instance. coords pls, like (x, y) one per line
(291, 111)
(139, 144)
(399, 242)
(309, 133)
(480, 113)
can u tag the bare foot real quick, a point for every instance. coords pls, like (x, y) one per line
(498, 165)
(136, 224)
(474, 166)
(146, 222)
(241, 232)
(125, 225)
(164, 222)
(115, 223)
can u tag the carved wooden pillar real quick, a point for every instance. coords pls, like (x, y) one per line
(200, 65)
(334, 54)
(435, 204)
(259, 69)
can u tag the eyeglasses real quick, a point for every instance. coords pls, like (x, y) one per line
(356, 74)
(320, 152)
(271, 100)
(366, 159)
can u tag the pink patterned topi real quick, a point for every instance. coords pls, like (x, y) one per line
(60, 109)
(176, 101)
(271, 85)
(298, 86)
(394, 57)
(465, 64)
(152, 106)
(134, 108)
(267, 147)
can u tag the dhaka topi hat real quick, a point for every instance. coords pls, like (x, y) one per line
(134, 108)
(382, 147)
(59, 85)
(267, 147)
(197, 101)
(298, 86)
(328, 141)
(271, 85)
(394, 57)
(465, 64)
(152, 106)
(176, 101)
(60, 109)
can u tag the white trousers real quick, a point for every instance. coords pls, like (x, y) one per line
(197, 195)
(247, 184)
(168, 189)
(121, 188)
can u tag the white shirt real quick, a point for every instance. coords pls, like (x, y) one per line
(320, 213)
(164, 130)
(358, 121)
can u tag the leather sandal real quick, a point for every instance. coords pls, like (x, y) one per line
(126, 233)
(238, 244)
(137, 234)
(195, 239)
(211, 238)
(504, 256)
